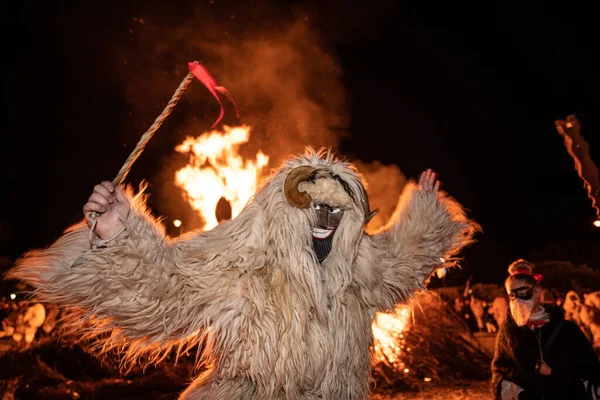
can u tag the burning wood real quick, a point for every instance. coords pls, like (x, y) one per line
(436, 347)
(389, 332)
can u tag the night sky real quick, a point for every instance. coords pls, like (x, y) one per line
(469, 90)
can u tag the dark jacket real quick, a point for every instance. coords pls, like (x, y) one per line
(570, 355)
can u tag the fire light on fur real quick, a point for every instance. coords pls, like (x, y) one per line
(216, 170)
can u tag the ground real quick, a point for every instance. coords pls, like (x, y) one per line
(465, 390)
(52, 371)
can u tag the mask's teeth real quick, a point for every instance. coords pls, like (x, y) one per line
(321, 233)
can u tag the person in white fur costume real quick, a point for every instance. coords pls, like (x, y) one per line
(280, 300)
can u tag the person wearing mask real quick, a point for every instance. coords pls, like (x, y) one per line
(539, 354)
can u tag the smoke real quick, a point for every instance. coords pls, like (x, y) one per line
(287, 82)
(384, 186)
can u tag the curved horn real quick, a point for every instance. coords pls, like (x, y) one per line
(290, 187)
(370, 215)
(367, 208)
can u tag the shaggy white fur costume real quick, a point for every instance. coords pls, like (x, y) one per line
(250, 293)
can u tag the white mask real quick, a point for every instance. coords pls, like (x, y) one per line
(521, 310)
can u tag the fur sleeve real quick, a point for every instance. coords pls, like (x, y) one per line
(424, 228)
(143, 290)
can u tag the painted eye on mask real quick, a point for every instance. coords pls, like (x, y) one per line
(334, 210)
(523, 293)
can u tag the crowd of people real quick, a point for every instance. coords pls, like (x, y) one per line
(480, 315)
(583, 308)
(547, 342)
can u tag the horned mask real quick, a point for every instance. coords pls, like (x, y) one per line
(303, 180)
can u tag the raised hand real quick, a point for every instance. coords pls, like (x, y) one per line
(112, 208)
(428, 181)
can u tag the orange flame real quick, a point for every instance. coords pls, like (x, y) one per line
(389, 330)
(217, 170)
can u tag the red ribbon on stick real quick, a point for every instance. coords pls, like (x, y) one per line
(215, 89)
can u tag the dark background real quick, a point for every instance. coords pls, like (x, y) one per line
(470, 90)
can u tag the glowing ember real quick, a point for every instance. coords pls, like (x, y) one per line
(216, 171)
(388, 332)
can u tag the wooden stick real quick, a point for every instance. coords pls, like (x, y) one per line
(150, 132)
